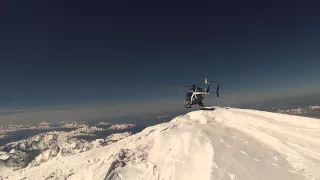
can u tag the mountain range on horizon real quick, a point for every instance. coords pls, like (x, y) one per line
(212, 143)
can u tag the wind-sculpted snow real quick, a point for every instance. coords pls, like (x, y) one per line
(220, 144)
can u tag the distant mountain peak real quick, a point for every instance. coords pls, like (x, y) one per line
(218, 143)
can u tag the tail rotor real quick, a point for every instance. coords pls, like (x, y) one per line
(207, 85)
(218, 89)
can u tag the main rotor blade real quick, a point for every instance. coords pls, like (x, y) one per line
(193, 85)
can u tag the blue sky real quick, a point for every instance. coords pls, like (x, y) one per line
(110, 52)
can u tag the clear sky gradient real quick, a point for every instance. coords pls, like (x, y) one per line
(56, 53)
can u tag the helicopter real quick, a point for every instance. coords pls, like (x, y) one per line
(196, 94)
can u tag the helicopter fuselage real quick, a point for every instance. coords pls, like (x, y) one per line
(195, 97)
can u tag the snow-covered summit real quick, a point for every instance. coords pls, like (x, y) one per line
(71, 124)
(224, 143)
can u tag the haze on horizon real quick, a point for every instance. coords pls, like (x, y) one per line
(78, 59)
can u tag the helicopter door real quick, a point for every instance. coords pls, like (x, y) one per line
(188, 96)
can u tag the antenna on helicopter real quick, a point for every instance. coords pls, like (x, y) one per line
(207, 83)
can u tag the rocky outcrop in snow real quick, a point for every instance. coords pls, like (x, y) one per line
(121, 126)
(3, 136)
(87, 129)
(103, 124)
(71, 124)
(117, 137)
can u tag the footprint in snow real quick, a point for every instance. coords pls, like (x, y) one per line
(274, 164)
(293, 172)
(225, 144)
(245, 142)
(275, 158)
(242, 140)
(256, 159)
(232, 176)
(244, 153)
(215, 165)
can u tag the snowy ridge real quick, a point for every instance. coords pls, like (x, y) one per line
(71, 124)
(121, 126)
(52, 144)
(301, 110)
(207, 144)
(103, 124)
(4, 129)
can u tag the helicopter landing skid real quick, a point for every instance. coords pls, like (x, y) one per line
(187, 105)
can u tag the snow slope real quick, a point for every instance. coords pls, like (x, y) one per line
(223, 144)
